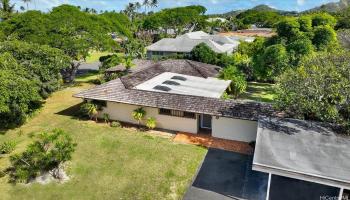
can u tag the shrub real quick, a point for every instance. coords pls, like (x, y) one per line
(138, 114)
(203, 53)
(89, 110)
(116, 124)
(238, 82)
(46, 154)
(151, 123)
(7, 147)
(106, 117)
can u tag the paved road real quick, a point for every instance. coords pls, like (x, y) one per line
(88, 67)
(227, 175)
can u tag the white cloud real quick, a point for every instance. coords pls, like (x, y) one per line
(300, 2)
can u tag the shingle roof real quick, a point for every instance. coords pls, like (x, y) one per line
(185, 67)
(120, 90)
(140, 64)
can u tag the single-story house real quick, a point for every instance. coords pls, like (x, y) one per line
(184, 44)
(304, 160)
(183, 96)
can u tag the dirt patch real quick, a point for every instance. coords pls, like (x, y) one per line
(211, 142)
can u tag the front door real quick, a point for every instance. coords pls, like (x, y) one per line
(206, 121)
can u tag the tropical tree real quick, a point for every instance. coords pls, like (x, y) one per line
(6, 9)
(203, 53)
(325, 38)
(27, 2)
(19, 96)
(318, 90)
(153, 3)
(89, 109)
(139, 114)
(238, 83)
(47, 154)
(128, 63)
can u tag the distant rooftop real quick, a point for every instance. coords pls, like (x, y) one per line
(185, 43)
(304, 150)
(187, 85)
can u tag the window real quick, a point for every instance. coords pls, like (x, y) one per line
(177, 113)
(189, 115)
(163, 111)
(180, 78)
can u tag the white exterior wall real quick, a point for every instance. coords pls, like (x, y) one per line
(122, 112)
(234, 129)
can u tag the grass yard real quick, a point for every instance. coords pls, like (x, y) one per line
(263, 92)
(95, 56)
(109, 163)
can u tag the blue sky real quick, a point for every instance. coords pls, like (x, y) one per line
(213, 6)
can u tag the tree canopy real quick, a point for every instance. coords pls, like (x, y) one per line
(318, 90)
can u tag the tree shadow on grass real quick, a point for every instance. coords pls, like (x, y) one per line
(72, 111)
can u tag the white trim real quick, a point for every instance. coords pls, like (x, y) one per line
(304, 177)
(268, 188)
(341, 194)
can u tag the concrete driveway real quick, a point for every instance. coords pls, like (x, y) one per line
(226, 175)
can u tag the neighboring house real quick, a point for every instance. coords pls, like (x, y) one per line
(217, 19)
(304, 160)
(183, 96)
(184, 44)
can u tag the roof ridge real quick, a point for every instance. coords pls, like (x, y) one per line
(196, 68)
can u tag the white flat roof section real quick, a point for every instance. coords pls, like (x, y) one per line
(302, 150)
(174, 83)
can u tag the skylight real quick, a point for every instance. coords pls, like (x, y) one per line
(171, 83)
(162, 88)
(181, 78)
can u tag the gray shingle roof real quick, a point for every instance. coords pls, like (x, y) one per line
(120, 90)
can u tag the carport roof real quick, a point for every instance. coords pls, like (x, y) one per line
(303, 150)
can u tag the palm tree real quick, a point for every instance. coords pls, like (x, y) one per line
(6, 9)
(138, 6)
(26, 2)
(153, 3)
(130, 10)
(138, 114)
(146, 3)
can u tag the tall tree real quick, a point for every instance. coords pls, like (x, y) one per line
(27, 2)
(6, 9)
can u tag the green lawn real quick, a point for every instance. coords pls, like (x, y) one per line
(109, 163)
(259, 92)
(95, 56)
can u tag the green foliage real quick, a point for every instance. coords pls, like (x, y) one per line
(19, 94)
(7, 147)
(116, 124)
(138, 114)
(305, 23)
(106, 117)
(67, 28)
(109, 61)
(325, 38)
(261, 18)
(41, 63)
(300, 49)
(89, 110)
(238, 83)
(151, 123)
(175, 18)
(318, 90)
(273, 62)
(323, 19)
(203, 53)
(49, 152)
(288, 28)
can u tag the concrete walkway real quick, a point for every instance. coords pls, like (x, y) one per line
(211, 142)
